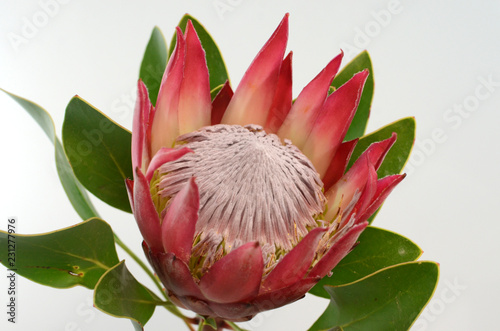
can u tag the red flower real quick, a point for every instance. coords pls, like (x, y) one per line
(242, 201)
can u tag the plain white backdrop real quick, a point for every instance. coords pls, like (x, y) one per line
(435, 61)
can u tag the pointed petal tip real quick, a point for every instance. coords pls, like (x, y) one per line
(254, 95)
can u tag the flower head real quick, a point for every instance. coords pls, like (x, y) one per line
(243, 202)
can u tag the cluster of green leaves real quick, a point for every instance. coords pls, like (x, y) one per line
(378, 286)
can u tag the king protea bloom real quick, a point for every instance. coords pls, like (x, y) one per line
(243, 201)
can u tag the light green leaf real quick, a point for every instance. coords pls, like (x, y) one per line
(359, 63)
(99, 151)
(77, 255)
(154, 63)
(74, 190)
(215, 63)
(377, 249)
(390, 299)
(119, 294)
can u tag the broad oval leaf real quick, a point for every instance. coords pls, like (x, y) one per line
(74, 190)
(98, 150)
(399, 153)
(377, 249)
(77, 255)
(119, 294)
(154, 63)
(215, 63)
(359, 63)
(390, 299)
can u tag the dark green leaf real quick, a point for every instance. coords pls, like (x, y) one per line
(99, 152)
(390, 299)
(359, 63)
(377, 249)
(119, 294)
(398, 154)
(74, 190)
(154, 63)
(215, 63)
(78, 255)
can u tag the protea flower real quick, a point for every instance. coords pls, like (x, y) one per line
(242, 201)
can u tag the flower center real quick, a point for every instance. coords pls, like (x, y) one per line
(252, 187)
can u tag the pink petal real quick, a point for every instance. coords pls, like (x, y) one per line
(305, 110)
(179, 224)
(295, 264)
(333, 122)
(282, 101)
(346, 191)
(145, 213)
(194, 99)
(165, 155)
(175, 275)
(339, 163)
(338, 251)
(384, 187)
(165, 126)
(235, 277)
(142, 113)
(220, 102)
(286, 295)
(253, 98)
(368, 194)
(378, 150)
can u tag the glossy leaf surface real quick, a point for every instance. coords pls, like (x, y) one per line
(390, 299)
(119, 294)
(78, 255)
(99, 152)
(377, 249)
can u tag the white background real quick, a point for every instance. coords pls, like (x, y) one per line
(429, 59)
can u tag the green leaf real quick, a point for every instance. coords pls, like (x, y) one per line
(359, 63)
(154, 63)
(215, 63)
(398, 155)
(74, 190)
(99, 152)
(210, 322)
(119, 294)
(390, 299)
(77, 255)
(377, 249)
